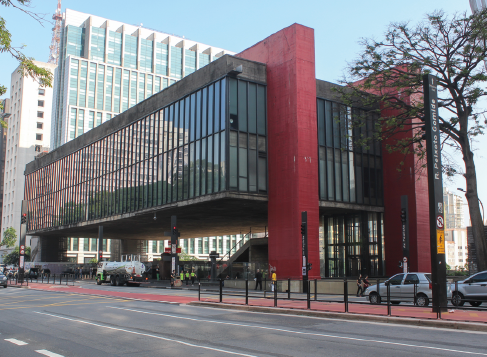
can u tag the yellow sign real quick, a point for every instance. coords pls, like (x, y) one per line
(440, 241)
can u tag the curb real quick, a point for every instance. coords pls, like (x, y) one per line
(447, 324)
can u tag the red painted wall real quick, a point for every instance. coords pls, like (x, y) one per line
(413, 183)
(292, 146)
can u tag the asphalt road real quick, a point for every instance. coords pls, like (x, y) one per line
(36, 323)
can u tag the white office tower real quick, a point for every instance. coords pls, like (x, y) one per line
(455, 231)
(27, 135)
(106, 67)
(477, 5)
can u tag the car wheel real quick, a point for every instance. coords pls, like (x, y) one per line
(457, 299)
(475, 303)
(422, 300)
(112, 281)
(395, 302)
(98, 281)
(374, 298)
(5, 286)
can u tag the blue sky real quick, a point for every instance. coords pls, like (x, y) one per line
(236, 25)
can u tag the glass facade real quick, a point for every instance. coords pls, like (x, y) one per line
(353, 245)
(176, 153)
(347, 172)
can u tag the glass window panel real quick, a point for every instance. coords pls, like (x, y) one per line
(223, 116)
(330, 174)
(321, 122)
(338, 176)
(262, 174)
(261, 110)
(242, 106)
(322, 176)
(210, 109)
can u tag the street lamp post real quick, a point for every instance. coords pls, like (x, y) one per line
(481, 205)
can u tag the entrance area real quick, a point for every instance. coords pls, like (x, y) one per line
(353, 244)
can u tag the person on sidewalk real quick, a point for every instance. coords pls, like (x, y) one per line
(181, 275)
(366, 284)
(193, 276)
(173, 277)
(360, 286)
(274, 280)
(187, 277)
(157, 272)
(258, 279)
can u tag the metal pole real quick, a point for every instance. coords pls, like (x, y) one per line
(415, 293)
(60, 278)
(316, 289)
(345, 294)
(289, 288)
(389, 299)
(247, 291)
(199, 291)
(275, 294)
(308, 295)
(221, 290)
(265, 286)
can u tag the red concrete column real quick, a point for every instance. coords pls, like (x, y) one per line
(292, 146)
(413, 182)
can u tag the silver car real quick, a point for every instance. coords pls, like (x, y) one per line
(473, 290)
(403, 288)
(3, 280)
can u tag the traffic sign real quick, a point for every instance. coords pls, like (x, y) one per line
(405, 259)
(440, 241)
(304, 271)
(440, 222)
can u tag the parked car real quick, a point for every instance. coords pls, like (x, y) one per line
(3, 280)
(473, 290)
(402, 289)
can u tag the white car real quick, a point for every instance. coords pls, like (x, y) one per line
(473, 290)
(402, 289)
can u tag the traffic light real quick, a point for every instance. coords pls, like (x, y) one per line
(23, 218)
(303, 229)
(423, 131)
(101, 254)
(310, 266)
(403, 215)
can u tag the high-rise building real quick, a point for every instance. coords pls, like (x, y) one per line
(4, 115)
(477, 5)
(27, 135)
(456, 251)
(106, 67)
(453, 204)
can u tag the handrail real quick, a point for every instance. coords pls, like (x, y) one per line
(250, 237)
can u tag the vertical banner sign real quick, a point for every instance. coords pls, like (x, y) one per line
(304, 238)
(435, 190)
(405, 228)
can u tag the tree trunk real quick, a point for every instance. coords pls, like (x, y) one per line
(474, 209)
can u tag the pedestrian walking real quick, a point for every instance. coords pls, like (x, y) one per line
(360, 286)
(81, 273)
(182, 276)
(187, 277)
(274, 280)
(173, 277)
(157, 272)
(258, 279)
(193, 276)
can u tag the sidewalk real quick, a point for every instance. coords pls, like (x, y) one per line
(403, 314)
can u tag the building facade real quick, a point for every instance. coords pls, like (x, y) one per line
(456, 248)
(27, 135)
(4, 115)
(106, 67)
(251, 140)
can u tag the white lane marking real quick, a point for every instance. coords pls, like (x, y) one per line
(302, 333)
(17, 342)
(48, 353)
(145, 334)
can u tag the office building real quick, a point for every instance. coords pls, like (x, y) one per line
(106, 67)
(27, 135)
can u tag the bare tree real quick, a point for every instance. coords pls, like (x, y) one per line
(451, 48)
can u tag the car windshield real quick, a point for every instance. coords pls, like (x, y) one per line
(428, 276)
